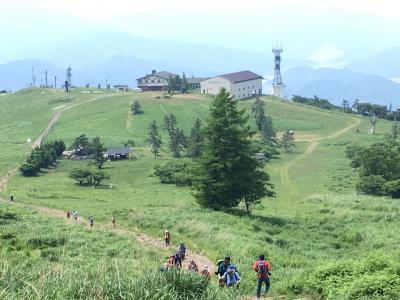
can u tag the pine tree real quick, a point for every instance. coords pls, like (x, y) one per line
(177, 137)
(97, 149)
(267, 129)
(136, 108)
(184, 85)
(228, 171)
(154, 139)
(171, 85)
(196, 140)
(178, 83)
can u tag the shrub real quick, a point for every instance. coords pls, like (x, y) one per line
(88, 176)
(371, 185)
(29, 169)
(175, 172)
(8, 216)
(392, 188)
(46, 242)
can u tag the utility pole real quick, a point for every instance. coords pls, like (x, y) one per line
(55, 82)
(33, 77)
(45, 78)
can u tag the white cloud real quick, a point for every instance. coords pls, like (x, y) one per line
(328, 55)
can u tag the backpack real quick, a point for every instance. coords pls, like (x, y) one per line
(262, 268)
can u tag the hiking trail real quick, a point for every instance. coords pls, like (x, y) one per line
(313, 142)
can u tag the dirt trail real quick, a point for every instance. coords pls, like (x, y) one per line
(313, 142)
(143, 239)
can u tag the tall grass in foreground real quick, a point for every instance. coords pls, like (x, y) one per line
(43, 258)
(105, 281)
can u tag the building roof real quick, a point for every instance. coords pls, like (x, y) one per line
(118, 150)
(194, 80)
(162, 74)
(241, 76)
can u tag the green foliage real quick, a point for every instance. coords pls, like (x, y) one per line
(136, 108)
(81, 145)
(45, 242)
(371, 185)
(228, 170)
(97, 148)
(371, 278)
(154, 139)
(42, 157)
(392, 188)
(29, 169)
(177, 137)
(196, 140)
(184, 84)
(179, 173)
(321, 103)
(379, 168)
(88, 176)
(287, 141)
(352, 152)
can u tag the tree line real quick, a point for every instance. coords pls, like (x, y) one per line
(219, 160)
(42, 158)
(378, 165)
(176, 83)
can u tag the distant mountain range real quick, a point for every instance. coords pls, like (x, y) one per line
(120, 58)
(336, 85)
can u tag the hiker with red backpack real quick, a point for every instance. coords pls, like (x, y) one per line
(263, 270)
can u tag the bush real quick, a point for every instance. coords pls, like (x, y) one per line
(371, 185)
(88, 176)
(29, 169)
(46, 242)
(392, 188)
(176, 172)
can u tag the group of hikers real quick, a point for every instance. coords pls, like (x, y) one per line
(74, 214)
(227, 272)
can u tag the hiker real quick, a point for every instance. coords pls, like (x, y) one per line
(231, 278)
(178, 260)
(167, 237)
(12, 198)
(193, 267)
(182, 250)
(262, 268)
(75, 215)
(206, 272)
(222, 267)
(113, 221)
(165, 267)
(68, 215)
(91, 221)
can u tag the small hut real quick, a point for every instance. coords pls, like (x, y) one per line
(118, 153)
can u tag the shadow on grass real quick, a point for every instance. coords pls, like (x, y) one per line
(278, 221)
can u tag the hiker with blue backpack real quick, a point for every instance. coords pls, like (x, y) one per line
(222, 268)
(263, 270)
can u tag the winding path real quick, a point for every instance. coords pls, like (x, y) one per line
(143, 239)
(284, 172)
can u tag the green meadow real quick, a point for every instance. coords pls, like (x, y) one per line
(313, 227)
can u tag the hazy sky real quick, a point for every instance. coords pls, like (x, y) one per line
(327, 31)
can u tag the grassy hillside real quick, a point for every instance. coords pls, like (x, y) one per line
(316, 218)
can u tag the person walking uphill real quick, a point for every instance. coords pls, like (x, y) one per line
(167, 237)
(91, 221)
(262, 268)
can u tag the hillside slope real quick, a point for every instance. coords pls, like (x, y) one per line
(316, 219)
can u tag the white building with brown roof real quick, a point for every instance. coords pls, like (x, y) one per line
(240, 85)
(156, 81)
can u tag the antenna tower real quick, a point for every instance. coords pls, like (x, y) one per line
(33, 77)
(278, 87)
(45, 77)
